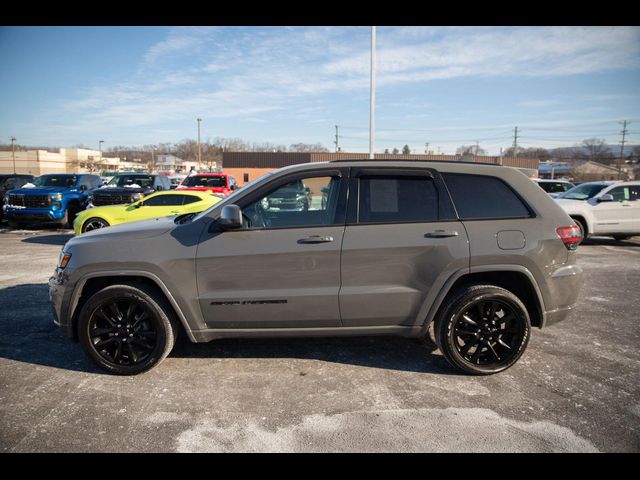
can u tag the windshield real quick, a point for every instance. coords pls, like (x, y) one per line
(66, 181)
(202, 181)
(584, 191)
(231, 198)
(145, 181)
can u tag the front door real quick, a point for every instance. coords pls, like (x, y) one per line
(401, 236)
(620, 215)
(282, 269)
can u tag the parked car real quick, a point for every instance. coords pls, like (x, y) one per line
(54, 199)
(10, 182)
(213, 182)
(159, 204)
(604, 208)
(479, 250)
(129, 187)
(554, 187)
(295, 196)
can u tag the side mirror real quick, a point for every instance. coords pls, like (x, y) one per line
(138, 205)
(159, 187)
(607, 197)
(230, 218)
(233, 187)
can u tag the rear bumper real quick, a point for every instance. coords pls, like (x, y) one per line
(564, 288)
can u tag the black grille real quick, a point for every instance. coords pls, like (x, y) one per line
(29, 201)
(99, 200)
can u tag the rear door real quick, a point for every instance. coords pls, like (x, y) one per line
(282, 269)
(401, 240)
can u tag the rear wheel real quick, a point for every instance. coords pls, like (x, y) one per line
(94, 223)
(127, 329)
(483, 329)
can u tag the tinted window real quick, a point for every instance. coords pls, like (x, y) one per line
(480, 196)
(68, 181)
(388, 199)
(164, 201)
(145, 181)
(205, 181)
(190, 199)
(310, 201)
(624, 193)
(554, 187)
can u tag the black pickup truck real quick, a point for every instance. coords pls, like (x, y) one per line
(10, 182)
(128, 188)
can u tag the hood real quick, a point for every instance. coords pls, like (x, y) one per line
(121, 190)
(41, 190)
(130, 230)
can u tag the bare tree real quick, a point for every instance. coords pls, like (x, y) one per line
(406, 150)
(305, 147)
(596, 149)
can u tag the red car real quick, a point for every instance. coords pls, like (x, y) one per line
(220, 183)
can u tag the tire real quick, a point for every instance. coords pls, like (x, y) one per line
(477, 355)
(16, 225)
(583, 228)
(94, 223)
(69, 216)
(151, 333)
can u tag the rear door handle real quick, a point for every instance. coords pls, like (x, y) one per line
(441, 234)
(316, 239)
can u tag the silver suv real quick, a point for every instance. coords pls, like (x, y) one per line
(383, 248)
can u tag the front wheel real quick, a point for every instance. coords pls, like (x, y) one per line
(483, 329)
(127, 329)
(94, 223)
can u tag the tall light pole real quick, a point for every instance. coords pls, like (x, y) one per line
(13, 152)
(199, 151)
(372, 103)
(99, 148)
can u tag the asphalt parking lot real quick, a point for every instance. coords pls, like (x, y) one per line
(577, 388)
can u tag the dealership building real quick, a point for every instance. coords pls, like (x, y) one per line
(247, 166)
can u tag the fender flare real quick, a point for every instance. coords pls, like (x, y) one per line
(79, 286)
(446, 289)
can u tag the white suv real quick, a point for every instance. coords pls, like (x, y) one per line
(604, 208)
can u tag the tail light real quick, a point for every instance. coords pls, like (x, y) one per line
(571, 236)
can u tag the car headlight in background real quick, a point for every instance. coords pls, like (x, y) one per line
(136, 196)
(56, 200)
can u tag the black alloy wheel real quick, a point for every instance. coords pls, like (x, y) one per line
(123, 332)
(127, 328)
(485, 330)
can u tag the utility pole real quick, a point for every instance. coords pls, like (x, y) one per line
(199, 151)
(99, 148)
(372, 100)
(515, 143)
(477, 147)
(336, 140)
(624, 134)
(13, 152)
(426, 148)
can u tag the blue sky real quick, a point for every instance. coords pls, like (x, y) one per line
(63, 86)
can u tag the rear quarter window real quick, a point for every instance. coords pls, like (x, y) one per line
(482, 196)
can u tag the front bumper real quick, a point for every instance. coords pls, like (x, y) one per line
(33, 214)
(59, 296)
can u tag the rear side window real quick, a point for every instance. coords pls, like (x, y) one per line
(480, 196)
(389, 199)
(164, 201)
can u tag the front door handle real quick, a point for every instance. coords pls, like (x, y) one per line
(316, 239)
(441, 234)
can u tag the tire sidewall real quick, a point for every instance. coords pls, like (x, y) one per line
(162, 324)
(446, 339)
(106, 224)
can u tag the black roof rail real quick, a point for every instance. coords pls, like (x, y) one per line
(463, 162)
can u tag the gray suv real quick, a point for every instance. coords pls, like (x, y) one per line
(384, 248)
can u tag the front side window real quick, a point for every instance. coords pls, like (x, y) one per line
(389, 199)
(628, 193)
(482, 196)
(303, 202)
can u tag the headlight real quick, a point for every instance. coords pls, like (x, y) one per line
(57, 196)
(136, 196)
(64, 260)
(6, 199)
